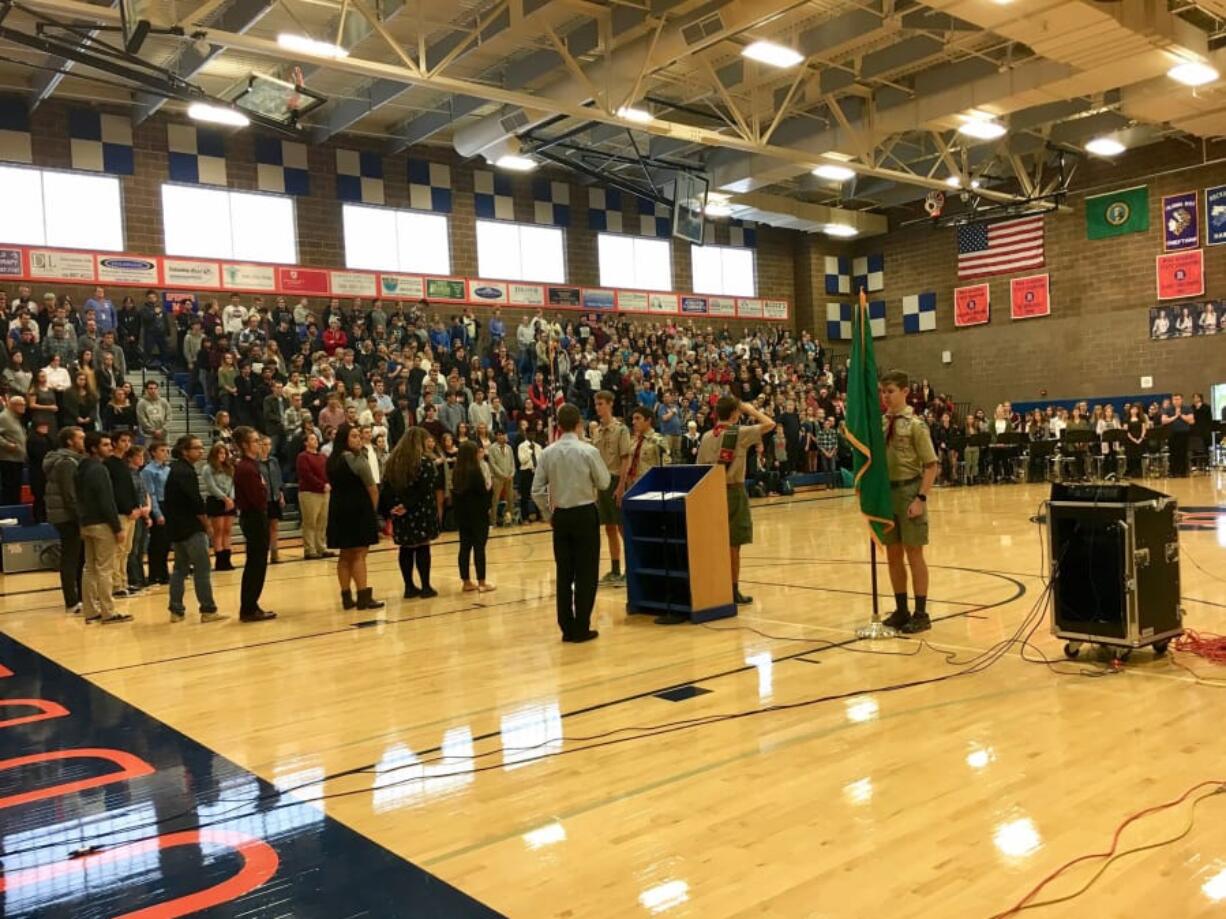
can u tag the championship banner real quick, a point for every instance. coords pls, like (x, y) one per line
(1180, 222)
(1215, 215)
(1030, 297)
(1181, 275)
(972, 305)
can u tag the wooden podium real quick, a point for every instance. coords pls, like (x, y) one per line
(675, 520)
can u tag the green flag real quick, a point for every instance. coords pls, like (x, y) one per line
(1117, 213)
(863, 427)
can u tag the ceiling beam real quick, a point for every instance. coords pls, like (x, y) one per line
(238, 17)
(800, 158)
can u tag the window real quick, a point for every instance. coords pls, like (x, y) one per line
(385, 239)
(216, 223)
(520, 252)
(635, 262)
(74, 210)
(723, 270)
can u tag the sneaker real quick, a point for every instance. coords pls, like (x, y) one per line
(212, 617)
(74, 610)
(611, 578)
(115, 617)
(918, 623)
(177, 617)
(897, 619)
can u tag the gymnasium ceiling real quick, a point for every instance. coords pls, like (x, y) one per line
(883, 85)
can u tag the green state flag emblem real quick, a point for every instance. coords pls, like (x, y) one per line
(1117, 213)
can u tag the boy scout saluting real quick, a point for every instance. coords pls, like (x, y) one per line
(612, 439)
(913, 467)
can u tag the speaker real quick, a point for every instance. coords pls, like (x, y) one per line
(1115, 566)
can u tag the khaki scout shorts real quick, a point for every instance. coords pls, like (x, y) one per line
(740, 524)
(606, 504)
(907, 530)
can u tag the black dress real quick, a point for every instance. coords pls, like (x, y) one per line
(351, 517)
(418, 524)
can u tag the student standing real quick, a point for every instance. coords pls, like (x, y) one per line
(135, 459)
(313, 491)
(217, 482)
(727, 444)
(352, 525)
(612, 440)
(412, 496)
(123, 492)
(471, 488)
(251, 500)
(570, 475)
(60, 469)
(101, 531)
(270, 467)
(648, 449)
(186, 526)
(913, 468)
(153, 477)
(501, 462)
(1179, 419)
(527, 452)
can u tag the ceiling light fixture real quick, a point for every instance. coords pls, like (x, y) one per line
(982, 128)
(1105, 146)
(842, 230)
(515, 163)
(304, 45)
(767, 52)
(718, 209)
(954, 181)
(834, 173)
(217, 114)
(637, 115)
(1193, 73)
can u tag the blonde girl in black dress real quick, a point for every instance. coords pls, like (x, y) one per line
(412, 497)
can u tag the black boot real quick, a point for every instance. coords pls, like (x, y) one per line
(347, 599)
(223, 560)
(366, 601)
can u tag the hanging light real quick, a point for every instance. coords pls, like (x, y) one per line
(767, 52)
(305, 45)
(1105, 146)
(637, 115)
(834, 172)
(514, 163)
(842, 230)
(217, 114)
(1193, 73)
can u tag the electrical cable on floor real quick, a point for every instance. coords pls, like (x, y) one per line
(1218, 786)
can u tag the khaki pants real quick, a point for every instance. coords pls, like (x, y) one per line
(123, 546)
(502, 492)
(313, 506)
(100, 544)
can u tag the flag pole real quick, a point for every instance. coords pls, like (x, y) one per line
(871, 477)
(875, 627)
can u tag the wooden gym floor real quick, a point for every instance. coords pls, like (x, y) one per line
(545, 779)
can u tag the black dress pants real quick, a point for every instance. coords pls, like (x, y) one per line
(576, 555)
(1179, 453)
(254, 525)
(10, 482)
(473, 537)
(159, 553)
(72, 562)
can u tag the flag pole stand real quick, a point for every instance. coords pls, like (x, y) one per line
(875, 628)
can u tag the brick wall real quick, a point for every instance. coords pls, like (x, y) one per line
(1096, 342)
(320, 241)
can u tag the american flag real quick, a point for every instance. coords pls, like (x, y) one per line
(998, 248)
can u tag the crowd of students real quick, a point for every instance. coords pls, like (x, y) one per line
(440, 420)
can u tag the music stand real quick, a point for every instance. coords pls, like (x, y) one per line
(1155, 440)
(1040, 455)
(1111, 438)
(980, 441)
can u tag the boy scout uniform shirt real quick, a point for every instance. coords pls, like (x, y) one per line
(613, 442)
(910, 449)
(747, 435)
(653, 452)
